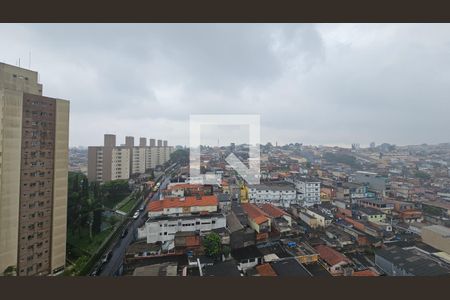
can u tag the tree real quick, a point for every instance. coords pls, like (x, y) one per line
(180, 156)
(212, 245)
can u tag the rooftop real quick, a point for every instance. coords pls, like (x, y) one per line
(233, 222)
(228, 268)
(331, 256)
(272, 211)
(254, 213)
(163, 269)
(265, 270)
(439, 229)
(290, 267)
(411, 262)
(182, 202)
(246, 253)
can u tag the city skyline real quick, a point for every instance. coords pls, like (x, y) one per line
(329, 84)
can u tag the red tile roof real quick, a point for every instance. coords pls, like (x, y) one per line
(265, 270)
(366, 273)
(185, 186)
(273, 211)
(331, 256)
(183, 202)
(255, 213)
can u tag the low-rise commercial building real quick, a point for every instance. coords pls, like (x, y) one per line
(164, 228)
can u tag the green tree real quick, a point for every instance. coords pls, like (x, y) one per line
(212, 245)
(180, 156)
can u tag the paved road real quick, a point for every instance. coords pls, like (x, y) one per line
(113, 266)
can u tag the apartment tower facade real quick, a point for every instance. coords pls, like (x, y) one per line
(111, 162)
(34, 140)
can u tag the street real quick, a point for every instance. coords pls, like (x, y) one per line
(119, 247)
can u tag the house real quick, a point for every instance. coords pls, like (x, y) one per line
(308, 218)
(338, 235)
(323, 219)
(368, 214)
(257, 219)
(280, 220)
(248, 257)
(334, 259)
(379, 204)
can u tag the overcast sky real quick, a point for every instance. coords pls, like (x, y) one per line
(328, 84)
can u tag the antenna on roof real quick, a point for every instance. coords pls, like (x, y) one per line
(19, 62)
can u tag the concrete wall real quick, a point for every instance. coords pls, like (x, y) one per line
(61, 162)
(10, 157)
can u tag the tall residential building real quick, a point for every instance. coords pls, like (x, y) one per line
(34, 137)
(108, 162)
(111, 162)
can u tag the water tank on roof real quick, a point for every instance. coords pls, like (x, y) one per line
(292, 244)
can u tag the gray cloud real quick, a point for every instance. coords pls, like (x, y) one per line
(320, 84)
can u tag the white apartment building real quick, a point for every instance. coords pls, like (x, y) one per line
(120, 163)
(163, 228)
(138, 164)
(308, 190)
(276, 194)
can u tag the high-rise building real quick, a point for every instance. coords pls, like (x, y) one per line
(34, 137)
(111, 162)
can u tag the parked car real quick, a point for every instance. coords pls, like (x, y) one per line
(107, 257)
(136, 215)
(124, 233)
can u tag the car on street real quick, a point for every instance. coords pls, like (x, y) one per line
(142, 207)
(136, 215)
(107, 257)
(124, 233)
